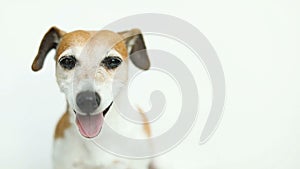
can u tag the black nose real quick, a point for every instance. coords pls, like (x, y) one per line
(88, 101)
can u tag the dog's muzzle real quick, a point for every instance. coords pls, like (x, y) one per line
(88, 101)
(89, 121)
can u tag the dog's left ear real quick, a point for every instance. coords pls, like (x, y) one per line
(136, 48)
(50, 41)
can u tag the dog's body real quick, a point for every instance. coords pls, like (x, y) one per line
(88, 65)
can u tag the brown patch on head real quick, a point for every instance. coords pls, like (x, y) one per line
(80, 38)
(76, 38)
(121, 48)
(62, 125)
(112, 40)
(147, 128)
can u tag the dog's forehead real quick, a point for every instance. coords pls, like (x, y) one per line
(81, 38)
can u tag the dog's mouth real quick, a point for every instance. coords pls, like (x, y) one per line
(90, 125)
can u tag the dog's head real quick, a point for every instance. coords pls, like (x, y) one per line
(88, 64)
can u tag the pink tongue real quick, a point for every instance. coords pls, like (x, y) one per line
(90, 125)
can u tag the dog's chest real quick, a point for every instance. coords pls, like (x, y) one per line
(74, 152)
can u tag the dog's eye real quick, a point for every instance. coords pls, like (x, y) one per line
(67, 62)
(111, 62)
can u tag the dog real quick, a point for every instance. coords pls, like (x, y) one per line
(87, 63)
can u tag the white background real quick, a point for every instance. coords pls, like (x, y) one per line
(257, 43)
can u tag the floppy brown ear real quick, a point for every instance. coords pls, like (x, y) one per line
(50, 41)
(136, 48)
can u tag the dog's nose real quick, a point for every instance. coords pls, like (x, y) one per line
(88, 101)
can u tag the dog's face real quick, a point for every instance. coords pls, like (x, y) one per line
(91, 68)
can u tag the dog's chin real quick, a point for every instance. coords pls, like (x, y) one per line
(90, 125)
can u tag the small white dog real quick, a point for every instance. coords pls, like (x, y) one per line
(88, 62)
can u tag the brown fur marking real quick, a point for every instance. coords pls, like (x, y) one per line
(62, 125)
(122, 49)
(79, 37)
(147, 128)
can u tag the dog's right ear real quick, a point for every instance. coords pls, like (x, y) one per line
(50, 41)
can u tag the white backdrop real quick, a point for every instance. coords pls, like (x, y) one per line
(257, 42)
